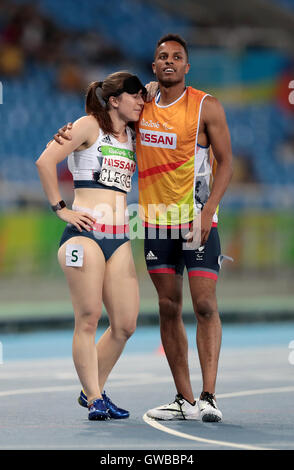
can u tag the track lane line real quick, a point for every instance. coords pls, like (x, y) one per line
(154, 423)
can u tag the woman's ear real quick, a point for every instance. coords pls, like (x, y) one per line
(113, 100)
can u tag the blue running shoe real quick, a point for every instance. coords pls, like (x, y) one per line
(114, 411)
(82, 400)
(98, 411)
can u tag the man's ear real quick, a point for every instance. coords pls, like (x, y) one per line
(153, 67)
(187, 68)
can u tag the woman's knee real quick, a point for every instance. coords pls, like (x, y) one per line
(123, 331)
(87, 321)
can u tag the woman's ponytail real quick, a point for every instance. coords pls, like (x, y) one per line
(99, 94)
(96, 106)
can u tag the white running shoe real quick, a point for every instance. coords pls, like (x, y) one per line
(178, 409)
(208, 409)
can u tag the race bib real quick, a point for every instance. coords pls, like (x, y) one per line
(74, 255)
(117, 168)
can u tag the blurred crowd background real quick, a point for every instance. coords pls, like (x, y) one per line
(242, 54)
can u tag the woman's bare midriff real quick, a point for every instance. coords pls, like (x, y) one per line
(105, 205)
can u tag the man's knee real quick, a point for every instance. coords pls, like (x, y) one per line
(205, 308)
(170, 307)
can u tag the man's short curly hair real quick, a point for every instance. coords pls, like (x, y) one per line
(173, 37)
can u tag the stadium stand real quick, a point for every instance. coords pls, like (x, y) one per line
(49, 54)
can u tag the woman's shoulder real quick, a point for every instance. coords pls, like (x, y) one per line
(87, 121)
(88, 129)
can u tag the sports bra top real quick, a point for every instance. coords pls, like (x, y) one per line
(107, 164)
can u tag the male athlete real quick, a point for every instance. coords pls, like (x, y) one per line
(184, 161)
(178, 132)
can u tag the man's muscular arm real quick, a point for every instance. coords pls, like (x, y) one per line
(216, 128)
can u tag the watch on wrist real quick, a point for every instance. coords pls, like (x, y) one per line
(58, 206)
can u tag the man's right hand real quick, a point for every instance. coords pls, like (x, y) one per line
(152, 89)
(62, 134)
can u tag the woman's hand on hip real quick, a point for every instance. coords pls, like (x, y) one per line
(81, 220)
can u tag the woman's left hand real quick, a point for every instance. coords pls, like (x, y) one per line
(81, 220)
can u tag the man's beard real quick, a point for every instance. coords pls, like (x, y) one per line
(168, 84)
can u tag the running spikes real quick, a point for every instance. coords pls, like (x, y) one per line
(98, 411)
(179, 409)
(113, 410)
(209, 411)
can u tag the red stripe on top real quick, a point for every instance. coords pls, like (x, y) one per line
(159, 169)
(207, 274)
(115, 229)
(162, 270)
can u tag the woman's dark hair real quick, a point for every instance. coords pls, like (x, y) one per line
(97, 98)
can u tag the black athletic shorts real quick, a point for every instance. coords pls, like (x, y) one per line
(166, 252)
(109, 238)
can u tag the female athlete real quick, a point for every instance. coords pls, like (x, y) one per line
(95, 252)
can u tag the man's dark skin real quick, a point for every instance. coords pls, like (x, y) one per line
(213, 131)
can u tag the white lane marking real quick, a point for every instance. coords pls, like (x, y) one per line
(260, 391)
(131, 377)
(30, 391)
(8, 375)
(65, 388)
(41, 375)
(155, 424)
(59, 388)
(141, 381)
